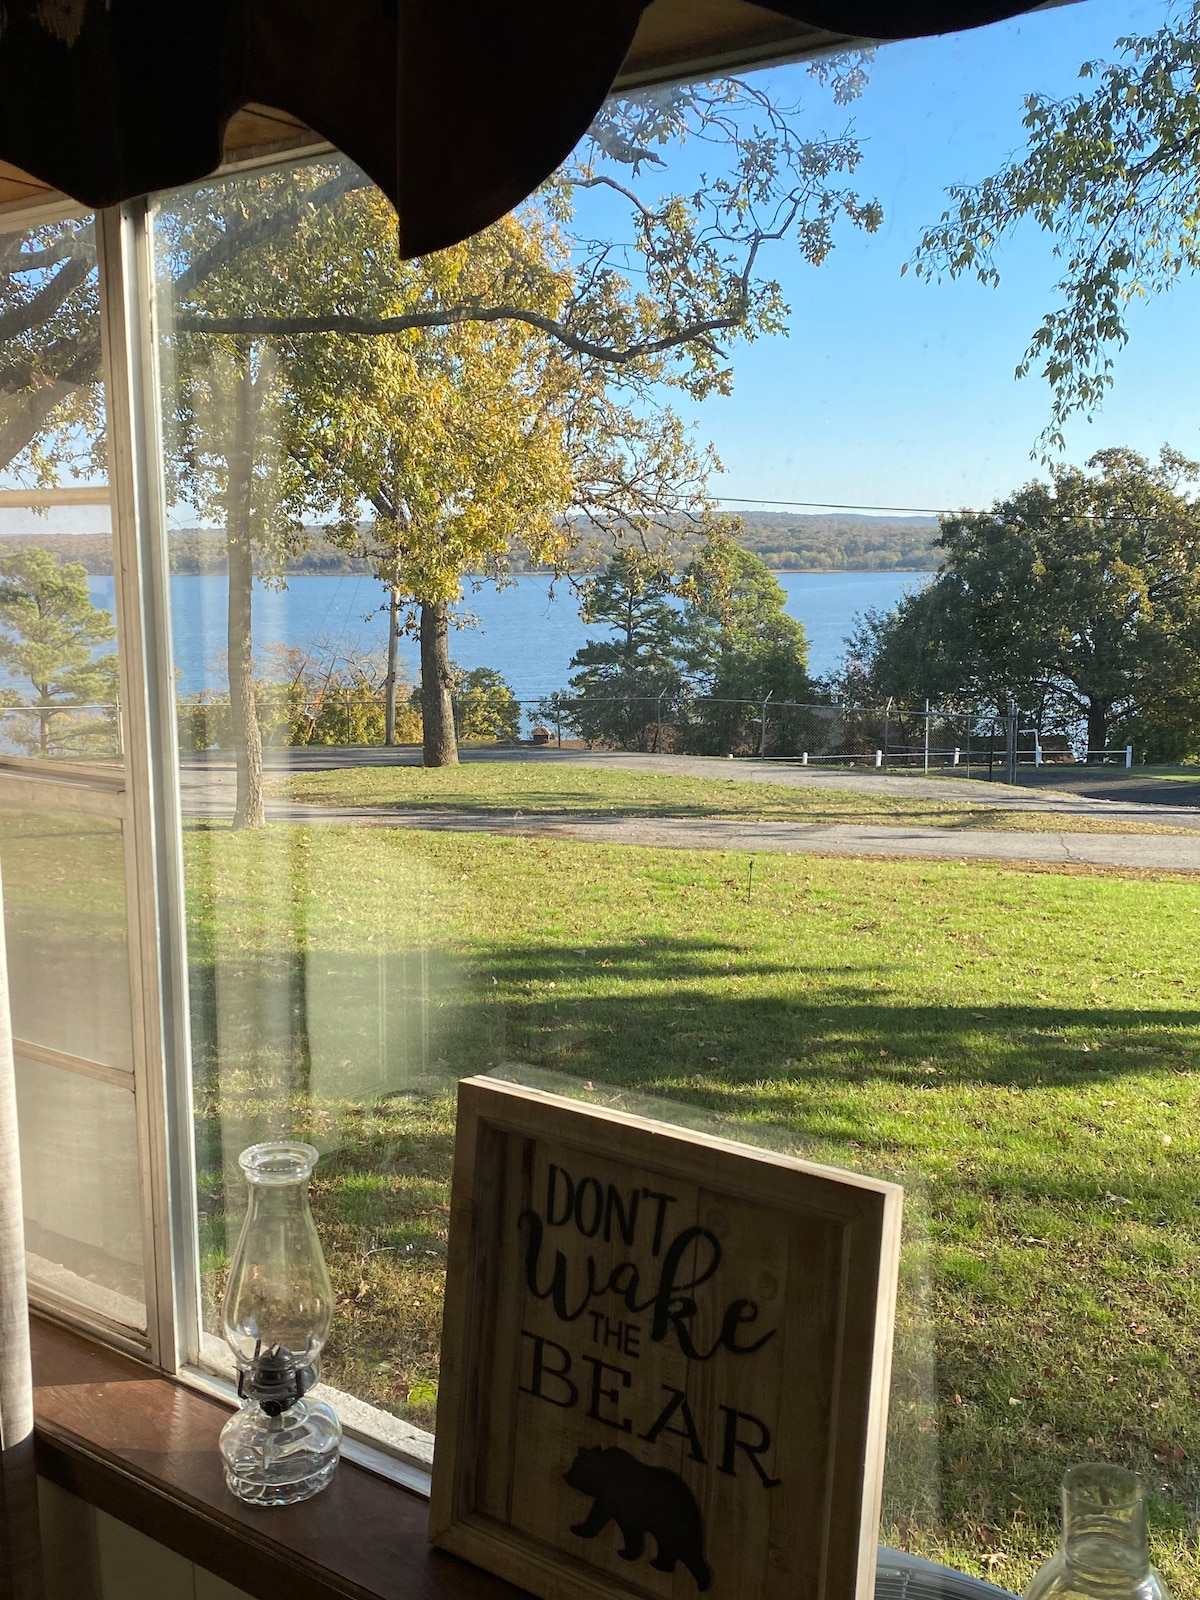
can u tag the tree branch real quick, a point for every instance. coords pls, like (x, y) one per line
(41, 405)
(344, 323)
(40, 307)
(245, 236)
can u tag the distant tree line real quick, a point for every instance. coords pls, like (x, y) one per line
(783, 542)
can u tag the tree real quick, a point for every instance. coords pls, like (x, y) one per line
(1080, 598)
(262, 240)
(623, 689)
(51, 407)
(485, 705)
(631, 312)
(454, 436)
(50, 634)
(697, 651)
(270, 259)
(1112, 175)
(740, 646)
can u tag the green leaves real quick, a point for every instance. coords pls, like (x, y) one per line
(1111, 175)
(1081, 598)
(50, 633)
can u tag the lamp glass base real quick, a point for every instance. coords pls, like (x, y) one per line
(277, 1461)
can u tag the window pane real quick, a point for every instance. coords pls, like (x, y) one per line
(79, 1177)
(1011, 1038)
(64, 918)
(58, 650)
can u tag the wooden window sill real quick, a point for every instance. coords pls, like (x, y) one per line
(143, 1448)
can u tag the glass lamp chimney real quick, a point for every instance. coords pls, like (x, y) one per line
(278, 1447)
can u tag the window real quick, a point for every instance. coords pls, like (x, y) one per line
(67, 846)
(237, 907)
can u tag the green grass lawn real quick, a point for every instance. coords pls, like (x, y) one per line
(1019, 1047)
(503, 788)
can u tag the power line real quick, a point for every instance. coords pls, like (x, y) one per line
(833, 505)
(945, 511)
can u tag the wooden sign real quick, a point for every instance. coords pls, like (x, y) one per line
(665, 1359)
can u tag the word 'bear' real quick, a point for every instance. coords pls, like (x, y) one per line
(641, 1500)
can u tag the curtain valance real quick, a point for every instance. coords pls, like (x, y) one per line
(456, 108)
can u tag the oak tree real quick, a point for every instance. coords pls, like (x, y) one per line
(1079, 597)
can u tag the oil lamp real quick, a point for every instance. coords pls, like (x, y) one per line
(279, 1446)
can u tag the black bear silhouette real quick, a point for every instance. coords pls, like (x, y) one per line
(641, 1500)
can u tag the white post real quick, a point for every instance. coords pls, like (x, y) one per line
(956, 755)
(804, 759)
(1128, 755)
(879, 758)
(1037, 749)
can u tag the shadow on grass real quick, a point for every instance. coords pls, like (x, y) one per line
(645, 1011)
(360, 1055)
(582, 808)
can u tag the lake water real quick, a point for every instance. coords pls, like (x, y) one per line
(526, 633)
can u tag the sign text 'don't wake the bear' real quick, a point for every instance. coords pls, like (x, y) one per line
(665, 1358)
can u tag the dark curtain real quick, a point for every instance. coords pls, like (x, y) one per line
(456, 108)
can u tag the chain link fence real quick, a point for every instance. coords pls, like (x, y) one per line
(889, 738)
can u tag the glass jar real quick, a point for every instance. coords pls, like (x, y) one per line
(1105, 1551)
(279, 1447)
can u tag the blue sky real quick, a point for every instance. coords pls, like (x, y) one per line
(897, 392)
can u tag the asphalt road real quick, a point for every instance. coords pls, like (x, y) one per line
(208, 787)
(1116, 783)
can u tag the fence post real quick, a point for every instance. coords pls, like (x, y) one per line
(1037, 748)
(804, 759)
(879, 758)
(1128, 755)
(558, 724)
(927, 737)
(1010, 733)
(762, 732)
(956, 755)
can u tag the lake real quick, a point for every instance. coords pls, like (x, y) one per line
(527, 634)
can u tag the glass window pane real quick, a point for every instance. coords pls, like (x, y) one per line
(1014, 1044)
(79, 1178)
(64, 919)
(58, 649)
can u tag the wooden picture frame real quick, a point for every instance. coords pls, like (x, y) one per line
(665, 1359)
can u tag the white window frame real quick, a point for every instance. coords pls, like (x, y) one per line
(143, 796)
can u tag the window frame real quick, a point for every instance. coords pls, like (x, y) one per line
(143, 794)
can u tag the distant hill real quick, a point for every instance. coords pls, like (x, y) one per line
(786, 541)
(841, 541)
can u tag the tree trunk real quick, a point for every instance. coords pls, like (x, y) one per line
(393, 650)
(247, 735)
(1097, 734)
(437, 703)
